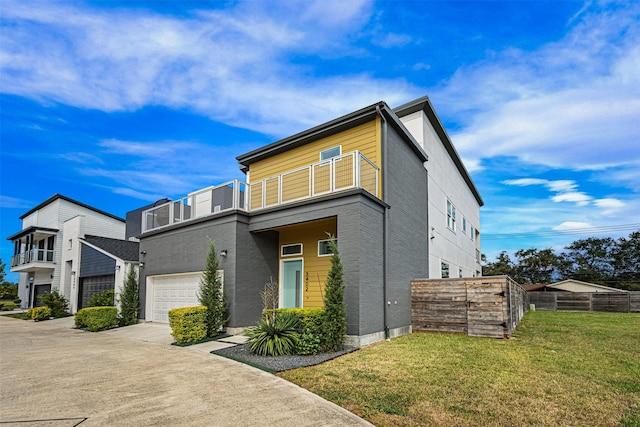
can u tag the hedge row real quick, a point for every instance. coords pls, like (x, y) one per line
(96, 318)
(188, 324)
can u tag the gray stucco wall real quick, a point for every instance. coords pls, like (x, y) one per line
(95, 263)
(408, 238)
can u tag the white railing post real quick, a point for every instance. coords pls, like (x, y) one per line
(356, 169)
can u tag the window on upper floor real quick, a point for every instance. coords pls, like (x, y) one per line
(451, 216)
(331, 152)
(464, 224)
(444, 270)
(472, 234)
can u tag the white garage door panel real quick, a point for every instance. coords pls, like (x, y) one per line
(171, 292)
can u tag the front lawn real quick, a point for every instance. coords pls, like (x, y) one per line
(557, 369)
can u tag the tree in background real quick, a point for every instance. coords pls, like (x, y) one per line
(211, 294)
(590, 260)
(536, 266)
(129, 299)
(605, 261)
(335, 322)
(626, 261)
(8, 290)
(502, 266)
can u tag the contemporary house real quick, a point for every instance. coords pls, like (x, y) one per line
(72, 247)
(387, 184)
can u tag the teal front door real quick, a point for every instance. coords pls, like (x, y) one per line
(292, 283)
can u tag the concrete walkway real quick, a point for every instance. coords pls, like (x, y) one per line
(54, 375)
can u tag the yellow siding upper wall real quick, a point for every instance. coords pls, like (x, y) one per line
(364, 138)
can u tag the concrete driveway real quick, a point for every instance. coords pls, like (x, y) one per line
(54, 375)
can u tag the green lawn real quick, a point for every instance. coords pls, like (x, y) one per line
(579, 369)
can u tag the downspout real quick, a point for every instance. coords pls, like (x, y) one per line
(385, 227)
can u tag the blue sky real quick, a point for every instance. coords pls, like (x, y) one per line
(117, 104)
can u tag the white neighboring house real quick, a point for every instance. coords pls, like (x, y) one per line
(47, 251)
(454, 201)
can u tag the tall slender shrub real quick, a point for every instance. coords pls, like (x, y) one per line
(129, 299)
(335, 311)
(58, 304)
(211, 294)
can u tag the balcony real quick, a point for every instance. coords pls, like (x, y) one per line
(224, 197)
(33, 260)
(341, 173)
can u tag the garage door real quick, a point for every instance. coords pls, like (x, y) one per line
(173, 291)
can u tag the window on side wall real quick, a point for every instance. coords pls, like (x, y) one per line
(331, 152)
(472, 234)
(451, 216)
(324, 247)
(444, 270)
(464, 224)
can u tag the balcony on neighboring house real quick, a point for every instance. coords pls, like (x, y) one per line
(34, 250)
(341, 173)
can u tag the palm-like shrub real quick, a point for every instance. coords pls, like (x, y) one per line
(274, 336)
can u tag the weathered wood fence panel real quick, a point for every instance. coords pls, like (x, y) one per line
(484, 306)
(586, 301)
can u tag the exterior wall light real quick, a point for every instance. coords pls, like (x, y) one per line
(223, 252)
(141, 265)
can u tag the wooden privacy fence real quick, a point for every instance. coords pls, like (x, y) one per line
(628, 302)
(481, 307)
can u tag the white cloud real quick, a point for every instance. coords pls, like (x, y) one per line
(572, 225)
(7, 202)
(573, 103)
(580, 198)
(231, 65)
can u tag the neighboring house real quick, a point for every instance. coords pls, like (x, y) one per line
(48, 250)
(364, 178)
(571, 285)
(104, 265)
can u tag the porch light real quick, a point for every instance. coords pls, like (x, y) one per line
(223, 252)
(141, 265)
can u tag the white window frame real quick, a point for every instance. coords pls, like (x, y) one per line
(283, 255)
(472, 234)
(464, 225)
(328, 150)
(451, 216)
(442, 269)
(322, 241)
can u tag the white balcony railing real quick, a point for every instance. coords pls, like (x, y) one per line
(32, 256)
(341, 173)
(224, 197)
(351, 170)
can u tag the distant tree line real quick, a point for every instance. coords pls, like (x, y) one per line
(604, 261)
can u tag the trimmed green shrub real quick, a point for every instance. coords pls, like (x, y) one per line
(311, 333)
(129, 299)
(17, 301)
(188, 324)
(274, 337)
(102, 299)
(335, 311)
(56, 302)
(39, 313)
(211, 294)
(96, 318)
